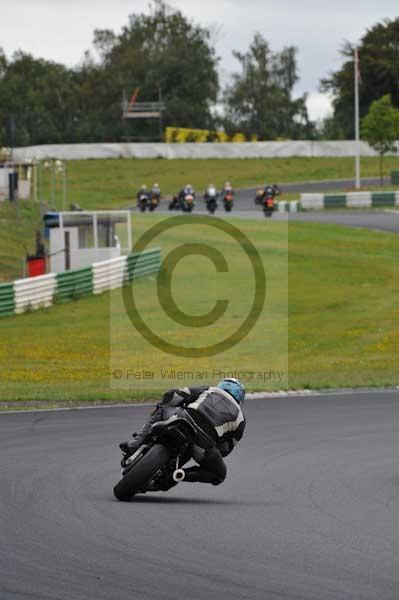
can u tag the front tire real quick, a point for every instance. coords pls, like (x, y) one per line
(136, 479)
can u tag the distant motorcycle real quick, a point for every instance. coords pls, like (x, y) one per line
(266, 197)
(175, 203)
(188, 203)
(211, 201)
(156, 465)
(154, 202)
(228, 200)
(268, 206)
(143, 201)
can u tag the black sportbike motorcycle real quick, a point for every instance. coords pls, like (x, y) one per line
(154, 464)
(143, 201)
(211, 204)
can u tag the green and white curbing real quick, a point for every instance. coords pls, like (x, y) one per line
(350, 200)
(37, 292)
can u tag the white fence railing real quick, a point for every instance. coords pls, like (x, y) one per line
(34, 292)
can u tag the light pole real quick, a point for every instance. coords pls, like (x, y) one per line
(357, 124)
(60, 169)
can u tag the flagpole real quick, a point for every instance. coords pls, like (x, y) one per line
(357, 123)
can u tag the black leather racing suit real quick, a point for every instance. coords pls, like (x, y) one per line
(214, 408)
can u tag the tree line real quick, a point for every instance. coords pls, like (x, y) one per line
(168, 56)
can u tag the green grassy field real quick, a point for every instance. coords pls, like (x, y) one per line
(17, 237)
(339, 328)
(114, 183)
(100, 184)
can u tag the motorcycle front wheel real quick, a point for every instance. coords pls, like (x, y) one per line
(142, 472)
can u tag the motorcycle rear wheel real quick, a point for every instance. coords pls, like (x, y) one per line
(140, 474)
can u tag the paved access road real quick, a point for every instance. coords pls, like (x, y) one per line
(310, 509)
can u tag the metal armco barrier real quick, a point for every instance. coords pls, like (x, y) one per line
(35, 292)
(145, 263)
(42, 291)
(7, 299)
(111, 274)
(73, 284)
(108, 274)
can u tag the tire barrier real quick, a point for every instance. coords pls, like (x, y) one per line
(43, 291)
(351, 200)
(285, 206)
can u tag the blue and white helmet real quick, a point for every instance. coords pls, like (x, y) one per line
(234, 387)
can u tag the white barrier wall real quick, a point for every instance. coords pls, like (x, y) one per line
(108, 275)
(4, 183)
(211, 150)
(34, 292)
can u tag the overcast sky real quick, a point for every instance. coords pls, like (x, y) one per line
(61, 30)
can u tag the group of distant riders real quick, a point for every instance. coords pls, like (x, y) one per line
(185, 199)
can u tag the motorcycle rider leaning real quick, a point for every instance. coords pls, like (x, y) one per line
(217, 410)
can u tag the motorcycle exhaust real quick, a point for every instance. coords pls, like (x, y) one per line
(179, 475)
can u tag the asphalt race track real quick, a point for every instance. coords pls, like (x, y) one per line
(244, 207)
(310, 509)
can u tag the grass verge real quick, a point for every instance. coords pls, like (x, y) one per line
(339, 328)
(113, 183)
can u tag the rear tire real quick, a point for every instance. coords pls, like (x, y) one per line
(141, 473)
